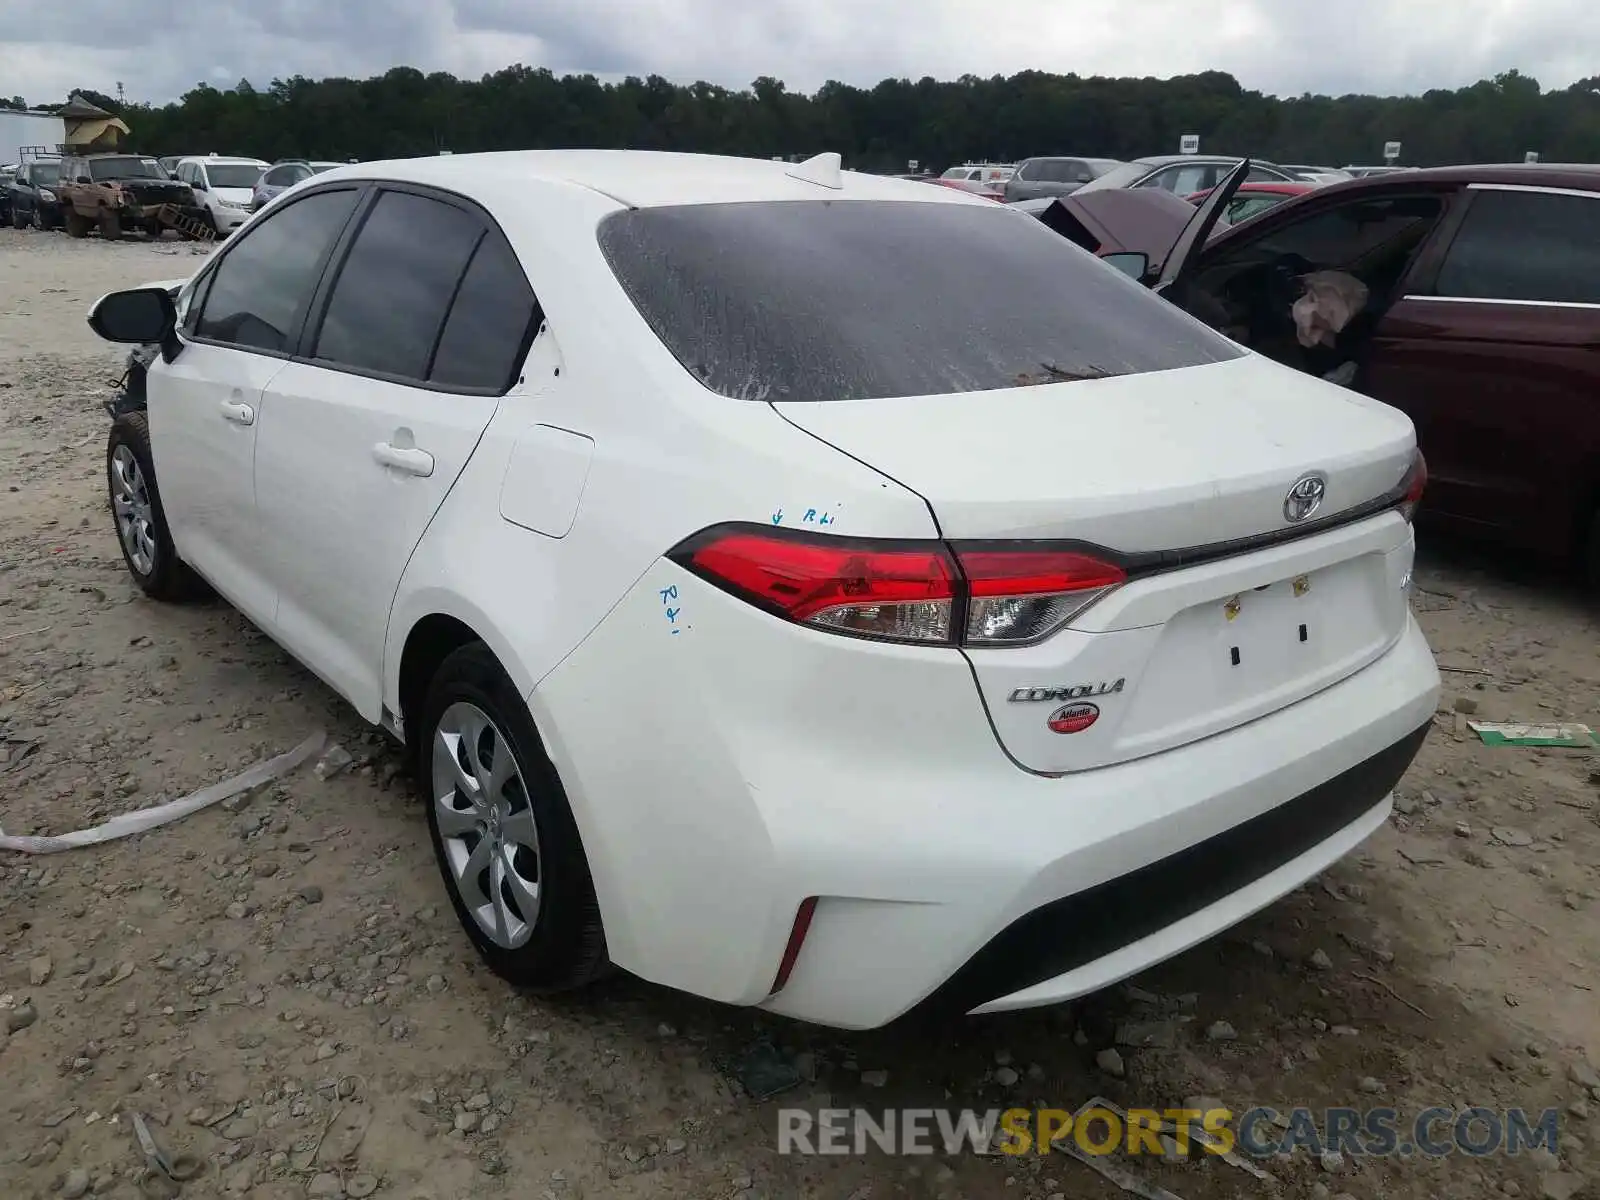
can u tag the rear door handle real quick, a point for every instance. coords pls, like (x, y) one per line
(238, 412)
(411, 461)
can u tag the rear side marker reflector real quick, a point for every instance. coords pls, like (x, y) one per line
(926, 593)
(1415, 483)
(797, 938)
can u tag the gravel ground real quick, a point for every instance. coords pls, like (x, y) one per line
(280, 985)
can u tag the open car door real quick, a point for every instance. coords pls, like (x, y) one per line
(1180, 262)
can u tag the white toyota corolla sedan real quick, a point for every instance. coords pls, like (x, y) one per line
(809, 590)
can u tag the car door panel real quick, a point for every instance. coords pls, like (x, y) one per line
(341, 520)
(1502, 397)
(204, 413)
(1494, 351)
(360, 452)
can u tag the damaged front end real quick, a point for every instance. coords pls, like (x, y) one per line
(129, 395)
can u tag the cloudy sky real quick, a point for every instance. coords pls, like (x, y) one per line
(159, 50)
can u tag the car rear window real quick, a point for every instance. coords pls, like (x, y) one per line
(859, 299)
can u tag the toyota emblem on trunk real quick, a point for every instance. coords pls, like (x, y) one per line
(1305, 497)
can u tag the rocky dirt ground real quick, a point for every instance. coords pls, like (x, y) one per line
(279, 983)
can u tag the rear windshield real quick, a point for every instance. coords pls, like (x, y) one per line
(858, 299)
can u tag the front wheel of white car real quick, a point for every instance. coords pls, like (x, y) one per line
(503, 833)
(141, 521)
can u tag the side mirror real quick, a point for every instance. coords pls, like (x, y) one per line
(199, 185)
(1134, 265)
(140, 315)
(83, 179)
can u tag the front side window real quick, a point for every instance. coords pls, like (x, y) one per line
(389, 302)
(841, 300)
(262, 283)
(1539, 246)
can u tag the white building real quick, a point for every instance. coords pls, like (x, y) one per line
(19, 129)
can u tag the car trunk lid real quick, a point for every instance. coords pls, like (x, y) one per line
(1184, 478)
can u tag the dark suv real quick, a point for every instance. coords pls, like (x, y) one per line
(33, 195)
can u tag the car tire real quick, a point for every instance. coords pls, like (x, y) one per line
(110, 226)
(78, 225)
(490, 848)
(41, 220)
(140, 521)
(18, 221)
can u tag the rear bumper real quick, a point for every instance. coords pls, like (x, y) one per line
(1084, 941)
(723, 775)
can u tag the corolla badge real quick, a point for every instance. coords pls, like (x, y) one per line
(1305, 497)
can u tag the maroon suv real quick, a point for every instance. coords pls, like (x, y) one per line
(1482, 322)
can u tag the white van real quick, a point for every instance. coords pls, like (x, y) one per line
(224, 187)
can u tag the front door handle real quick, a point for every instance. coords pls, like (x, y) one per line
(407, 459)
(238, 412)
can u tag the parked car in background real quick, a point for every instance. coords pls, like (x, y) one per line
(1184, 174)
(1313, 174)
(1127, 228)
(224, 187)
(281, 176)
(33, 195)
(983, 179)
(404, 421)
(8, 172)
(1037, 177)
(1254, 198)
(117, 193)
(1368, 172)
(1480, 321)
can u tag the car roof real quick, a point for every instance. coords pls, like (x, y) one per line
(1162, 160)
(223, 158)
(1576, 176)
(644, 178)
(1088, 158)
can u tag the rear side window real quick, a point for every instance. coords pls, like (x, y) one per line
(261, 284)
(1526, 246)
(847, 300)
(490, 323)
(388, 304)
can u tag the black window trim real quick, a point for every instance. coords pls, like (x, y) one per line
(209, 275)
(323, 293)
(1426, 278)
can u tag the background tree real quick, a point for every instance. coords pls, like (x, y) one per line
(404, 112)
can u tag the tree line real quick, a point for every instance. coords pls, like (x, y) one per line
(882, 128)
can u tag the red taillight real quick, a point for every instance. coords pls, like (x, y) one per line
(1416, 482)
(838, 583)
(797, 938)
(921, 592)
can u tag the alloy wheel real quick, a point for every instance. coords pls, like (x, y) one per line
(130, 500)
(486, 825)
